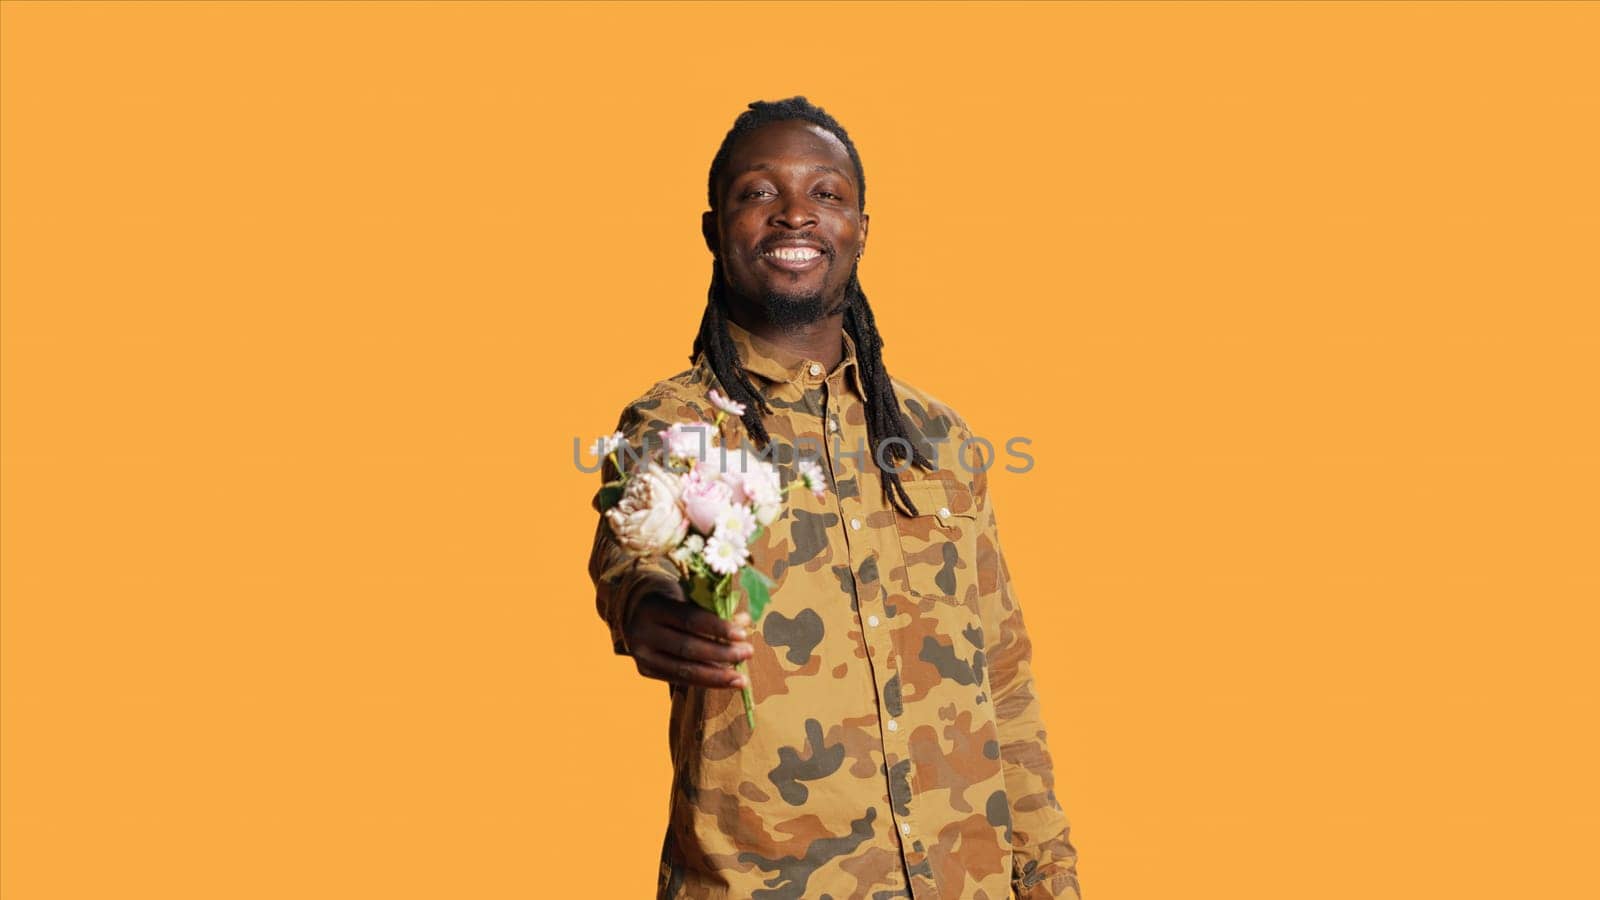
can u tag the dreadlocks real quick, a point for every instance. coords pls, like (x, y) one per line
(884, 421)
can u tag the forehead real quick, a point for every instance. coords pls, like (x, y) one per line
(789, 143)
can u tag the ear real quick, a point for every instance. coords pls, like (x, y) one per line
(864, 220)
(708, 230)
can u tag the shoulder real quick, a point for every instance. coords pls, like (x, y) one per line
(963, 454)
(676, 398)
(684, 397)
(935, 419)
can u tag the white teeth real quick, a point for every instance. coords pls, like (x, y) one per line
(796, 254)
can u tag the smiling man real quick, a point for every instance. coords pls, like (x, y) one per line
(900, 750)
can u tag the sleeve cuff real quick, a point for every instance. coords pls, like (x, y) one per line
(1054, 882)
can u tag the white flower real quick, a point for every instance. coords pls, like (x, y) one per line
(606, 444)
(695, 543)
(762, 484)
(723, 403)
(736, 523)
(763, 489)
(731, 465)
(687, 440)
(647, 519)
(815, 480)
(767, 513)
(725, 557)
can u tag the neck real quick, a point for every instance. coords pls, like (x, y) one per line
(821, 340)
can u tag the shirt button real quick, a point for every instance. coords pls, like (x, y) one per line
(873, 621)
(856, 524)
(893, 725)
(944, 512)
(905, 827)
(815, 369)
(833, 424)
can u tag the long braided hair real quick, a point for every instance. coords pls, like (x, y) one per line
(884, 421)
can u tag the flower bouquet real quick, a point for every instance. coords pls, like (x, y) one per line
(701, 505)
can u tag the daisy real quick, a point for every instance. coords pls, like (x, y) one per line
(812, 476)
(726, 405)
(735, 523)
(725, 557)
(606, 444)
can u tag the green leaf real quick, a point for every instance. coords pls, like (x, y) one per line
(608, 496)
(755, 587)
(703, 592)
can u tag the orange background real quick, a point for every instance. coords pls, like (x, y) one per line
(304, 305)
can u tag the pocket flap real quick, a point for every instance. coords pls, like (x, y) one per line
(941, 498)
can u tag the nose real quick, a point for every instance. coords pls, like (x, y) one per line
(795, 212)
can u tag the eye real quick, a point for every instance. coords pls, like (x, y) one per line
(829, 194)
(749, 194)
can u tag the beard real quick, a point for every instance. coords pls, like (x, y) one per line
(791, 310)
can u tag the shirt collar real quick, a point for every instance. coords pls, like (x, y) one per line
(776, 363)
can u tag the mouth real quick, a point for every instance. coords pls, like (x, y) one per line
(793, 257)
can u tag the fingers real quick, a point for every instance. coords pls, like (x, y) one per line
(705, 622)
(686, 616)
(677, 641)
(695, 648)
(657, 664)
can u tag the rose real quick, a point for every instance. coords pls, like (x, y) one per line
(647, 519)
(738, 467)
(764, 489)
(704, 498)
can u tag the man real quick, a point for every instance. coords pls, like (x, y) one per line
(899, 749)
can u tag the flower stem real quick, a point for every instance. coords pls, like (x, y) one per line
(749, 698)
(726, 601)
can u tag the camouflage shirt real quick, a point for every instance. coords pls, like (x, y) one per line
(899, 749)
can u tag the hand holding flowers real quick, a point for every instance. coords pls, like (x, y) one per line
(702, 506)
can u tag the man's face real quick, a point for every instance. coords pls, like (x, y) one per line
(788, 228)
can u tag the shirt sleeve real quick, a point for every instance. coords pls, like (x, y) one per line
(616, 585)
(1044, 860)
(613, 595)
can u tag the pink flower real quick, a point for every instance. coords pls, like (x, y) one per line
(726, 405)
(704, 499)
(732, 466)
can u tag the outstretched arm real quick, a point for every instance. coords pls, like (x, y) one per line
(639, 599)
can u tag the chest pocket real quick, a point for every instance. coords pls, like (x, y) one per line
(940, 543)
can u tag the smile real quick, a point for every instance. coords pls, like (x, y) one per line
(793, 259)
